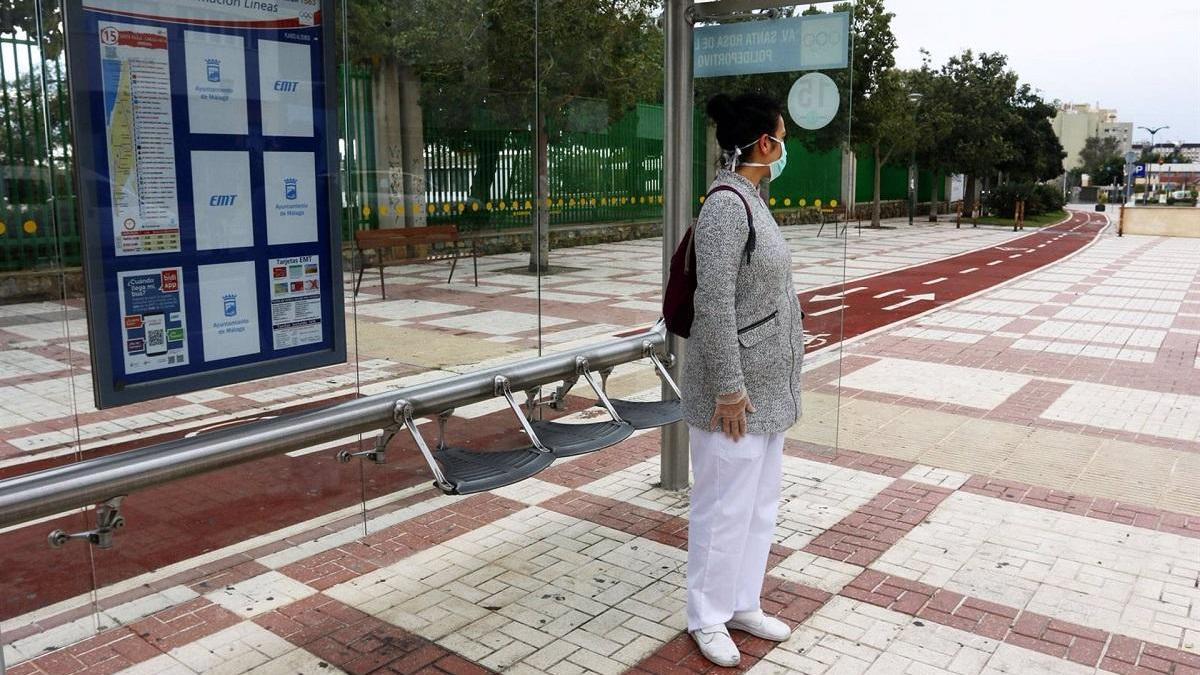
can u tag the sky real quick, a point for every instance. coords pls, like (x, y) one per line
(1141, 58)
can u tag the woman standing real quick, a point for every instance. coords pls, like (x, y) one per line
(741, 380)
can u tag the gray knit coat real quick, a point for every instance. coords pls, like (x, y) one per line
(748, 329)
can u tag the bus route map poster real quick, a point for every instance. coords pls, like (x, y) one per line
(206, 145)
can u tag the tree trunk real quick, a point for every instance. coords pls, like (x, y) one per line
(487, 158)
(389, 139)
(876, 179)
(539, 245)
(933, 196)
(969, 194)
(413, 147)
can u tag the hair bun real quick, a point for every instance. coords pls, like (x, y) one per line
(720, 108)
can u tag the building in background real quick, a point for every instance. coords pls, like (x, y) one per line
(1190, 151)
(1074, 123)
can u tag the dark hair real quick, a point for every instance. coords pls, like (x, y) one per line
(742, 120)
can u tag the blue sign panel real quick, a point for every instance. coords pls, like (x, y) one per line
(814, 42)
(1139, 170)
(212, 243)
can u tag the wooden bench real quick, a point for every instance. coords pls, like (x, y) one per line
(440, 242)
(832, 214)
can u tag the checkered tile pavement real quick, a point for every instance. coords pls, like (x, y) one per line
(1014, 491)
(882, 566)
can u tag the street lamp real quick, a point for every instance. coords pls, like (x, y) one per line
(915, 98)
(1155, 130)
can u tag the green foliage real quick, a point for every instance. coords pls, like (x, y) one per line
(1101, 159)
(1037, 153)
(862, 114)
(489, 61)
(19, 18)
(894, 116)
(22, 129)
(1039, 198)
(973, 102)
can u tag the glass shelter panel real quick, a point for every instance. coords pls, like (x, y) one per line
(439, 191)
(44, 380)
(799, 57)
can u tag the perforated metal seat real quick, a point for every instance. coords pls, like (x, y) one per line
(459, 471)
(648, 414)
(467, 472)
(569, 440)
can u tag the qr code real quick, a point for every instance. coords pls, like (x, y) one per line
(155, 338)
(174, 358)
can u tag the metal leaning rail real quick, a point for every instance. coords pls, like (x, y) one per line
(105, 481)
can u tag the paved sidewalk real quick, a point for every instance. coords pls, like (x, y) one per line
(1013, 490)
(425, 325)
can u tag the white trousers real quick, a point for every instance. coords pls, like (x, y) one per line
(731, 522)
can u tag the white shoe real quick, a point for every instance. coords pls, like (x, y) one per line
(716, 645)
(760, 625)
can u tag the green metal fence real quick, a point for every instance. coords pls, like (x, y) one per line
(484, 178)
(812, 178)
(37, 209)
(893, 181)
(357, 119)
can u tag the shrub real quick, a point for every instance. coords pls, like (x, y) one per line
(1045, 198)
(1039, 198)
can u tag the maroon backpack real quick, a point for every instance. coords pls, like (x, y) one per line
(679, 299)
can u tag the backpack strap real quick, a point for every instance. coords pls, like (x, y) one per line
(749, 218)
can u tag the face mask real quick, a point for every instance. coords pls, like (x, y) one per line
(778, 165)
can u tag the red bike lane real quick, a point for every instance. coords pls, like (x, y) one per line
(841, 311)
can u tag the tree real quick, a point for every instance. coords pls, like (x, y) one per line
(977, 92)
(1101, 159)
(20, 18)
(22, 126)
(1037, 152)
(893, 130)
(499, 63)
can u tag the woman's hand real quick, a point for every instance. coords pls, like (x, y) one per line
(730, 414)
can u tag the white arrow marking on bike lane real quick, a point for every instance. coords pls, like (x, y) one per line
(827, 311)
(911, 299)
(836, 296)
(884, 295)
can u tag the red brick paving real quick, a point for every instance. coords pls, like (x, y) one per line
(864, 535)
(1029, 630)
(184, 623)
(107, 652)
(348, 638)
(788, 601)
(371, 645)
(1092, 507)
